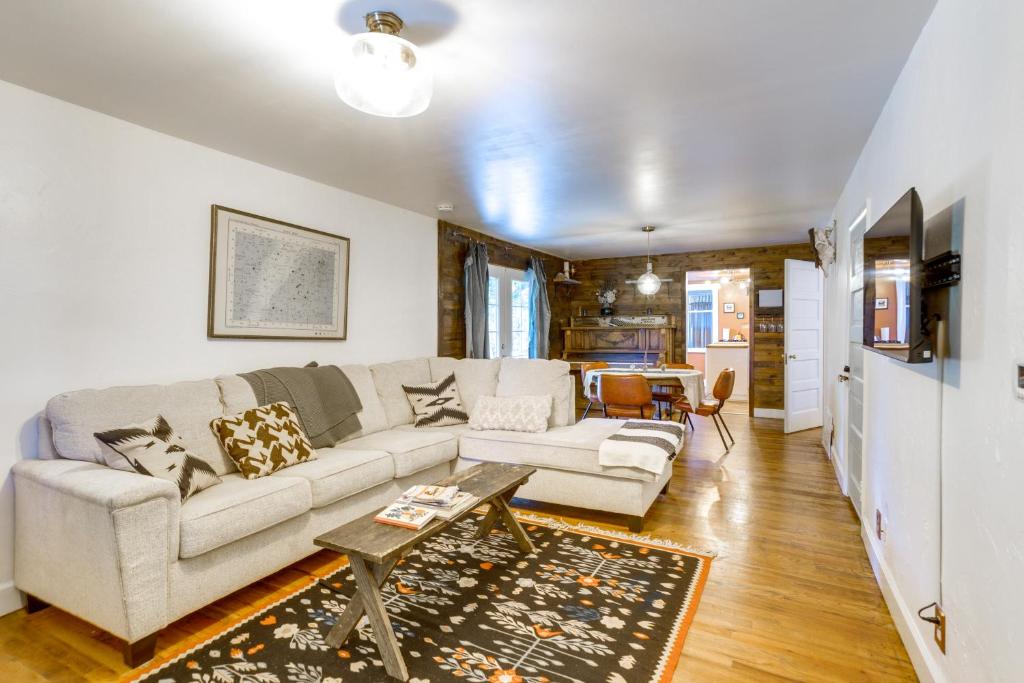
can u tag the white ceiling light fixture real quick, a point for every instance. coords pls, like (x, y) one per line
(382, 74)
(648, 284)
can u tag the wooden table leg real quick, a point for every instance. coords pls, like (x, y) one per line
(487, 523)
(355, 609)
(513, 526)
(366, 583)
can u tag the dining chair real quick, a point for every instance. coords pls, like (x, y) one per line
(670, 393)
(713, 409)
(590, 392)
(625, 396)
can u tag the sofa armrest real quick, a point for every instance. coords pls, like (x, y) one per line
(572, 398)
(96, 542)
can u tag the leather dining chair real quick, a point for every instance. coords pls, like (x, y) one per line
(713, 409)
(590, 392)
(625, 396)
(668, 394)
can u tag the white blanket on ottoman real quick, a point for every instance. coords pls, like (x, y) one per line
(644, 444)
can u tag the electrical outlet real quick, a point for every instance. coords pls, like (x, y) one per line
(879, 526)
(940, 629)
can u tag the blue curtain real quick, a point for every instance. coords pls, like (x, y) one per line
(474, 273)
(540, 310)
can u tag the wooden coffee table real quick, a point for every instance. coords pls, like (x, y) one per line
(374, 549)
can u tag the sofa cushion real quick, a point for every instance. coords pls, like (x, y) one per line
(75, 416)
(454, 430)
(535, 377)
(341, 472)
(389, 378)
(237, 508)
(238, 396)
(572, 448)
(475, 376)
(412, 450)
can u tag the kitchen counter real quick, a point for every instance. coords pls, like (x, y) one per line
(735, 355)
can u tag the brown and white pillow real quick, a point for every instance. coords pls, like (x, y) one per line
(263, 440)
(152, 448)
(437, 404)
(512, 413)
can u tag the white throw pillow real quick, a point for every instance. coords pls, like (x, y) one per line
(511, 413)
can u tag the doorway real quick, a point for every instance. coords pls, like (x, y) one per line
(717, 306)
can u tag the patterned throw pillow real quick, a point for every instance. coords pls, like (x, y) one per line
(437, 404)
(263, 440)
(512, 413)
(152, 448)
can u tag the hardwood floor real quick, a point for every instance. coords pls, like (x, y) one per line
(790, 596)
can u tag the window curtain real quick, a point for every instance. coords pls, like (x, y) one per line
(540, 310)
(475, 283)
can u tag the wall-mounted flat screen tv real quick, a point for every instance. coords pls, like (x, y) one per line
(894, 316)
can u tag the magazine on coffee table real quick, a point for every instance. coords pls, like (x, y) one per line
(405, 515)
(460, 502)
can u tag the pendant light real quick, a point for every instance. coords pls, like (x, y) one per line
(648, 284)
(382, 74)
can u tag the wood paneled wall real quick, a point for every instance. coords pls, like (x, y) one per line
(452, 243)
(766, 266)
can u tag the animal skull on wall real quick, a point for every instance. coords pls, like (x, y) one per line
(824, 246)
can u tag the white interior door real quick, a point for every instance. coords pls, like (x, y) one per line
(854, 371)
(803, 294)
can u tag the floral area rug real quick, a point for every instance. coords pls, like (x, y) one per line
(591, 605)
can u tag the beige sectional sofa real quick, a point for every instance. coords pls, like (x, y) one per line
(122, 551)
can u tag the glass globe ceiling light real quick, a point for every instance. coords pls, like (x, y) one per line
(382, 74)
(648, 284)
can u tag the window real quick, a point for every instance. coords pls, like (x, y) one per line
(701, 317)
(508, 313)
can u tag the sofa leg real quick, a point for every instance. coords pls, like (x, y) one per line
(664, 489)
(34, 604)
(140, 652)
(635, 523)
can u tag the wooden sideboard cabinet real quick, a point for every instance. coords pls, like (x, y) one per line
(626, 339)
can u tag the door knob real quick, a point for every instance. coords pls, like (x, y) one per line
(792, 356)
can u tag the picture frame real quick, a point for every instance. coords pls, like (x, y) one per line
(275, 280)
(729, 308)
(740, 315)
(881, 304)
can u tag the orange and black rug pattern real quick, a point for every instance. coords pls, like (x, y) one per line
(588, 606)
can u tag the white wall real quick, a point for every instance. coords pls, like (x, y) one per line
(953, 128)
(104, 255)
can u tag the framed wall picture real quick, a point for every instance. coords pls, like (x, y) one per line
(881, 304)
(728, 308)
(740, 315)
(275, 280)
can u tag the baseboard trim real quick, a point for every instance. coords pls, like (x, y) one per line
(773, 413)
(10, 598)
(919, 651)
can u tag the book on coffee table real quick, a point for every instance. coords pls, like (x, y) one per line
(439, 496)
(405, 515)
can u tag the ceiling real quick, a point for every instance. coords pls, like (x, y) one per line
(560, 125)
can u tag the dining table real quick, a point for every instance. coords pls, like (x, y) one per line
(692, 381)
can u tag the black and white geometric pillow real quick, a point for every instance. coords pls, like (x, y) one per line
(437, 404)
(152, 448)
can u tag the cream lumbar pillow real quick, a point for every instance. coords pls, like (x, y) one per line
(512, 413)
(152, 448)
(436, 404)
(263, 440)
